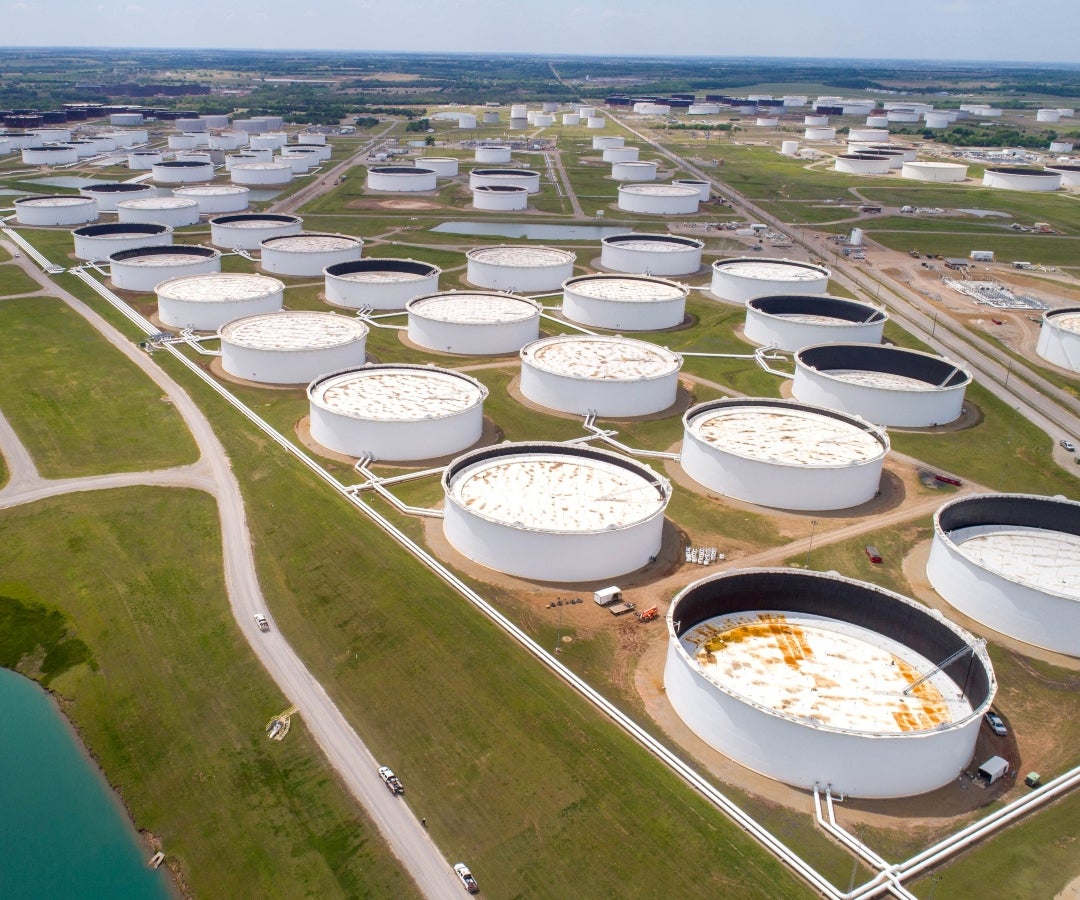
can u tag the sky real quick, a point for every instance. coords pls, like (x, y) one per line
(1035, 30)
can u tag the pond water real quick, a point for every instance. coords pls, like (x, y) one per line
(985, 213)
(67, 181)
(532, 231)
(63, 832)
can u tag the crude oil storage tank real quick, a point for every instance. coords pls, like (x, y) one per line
(312, 139)
(624, 302)
(608, 142)
(806, 677)
(1048, 115)
(886, 385)
(291, 346)
(825, 133)
(379, 283)
(658, 199)
(102, 240)
(783, 454)
(107, 194)
(1021, 178)
(622, 154)
(1070, 175)
(474, 323)
(923, 170)
(571, 119)
(501, 197)
(182, 171)
(634, 170)
(216, 198)
(1012, 562)
(740, 279)
(554, 512)
(868, 135)
(1059, 338)
(145, 268)
(520, 177)
(261, 174)
(862, 164)
(396, 412)
(595, 122)
(937, 119)
(612, 376)
(703, 188)
(206, 302)
(143, 159)
(519, 268)
(173, 211)
(299, 163)
(793, 321)
(247, 231)
(307, 252)
(442, 166)
(55, 209)
(651, 254)
(400, 179)
(49, 155)
(493, 153)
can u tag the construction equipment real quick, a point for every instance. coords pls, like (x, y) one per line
(647, 615)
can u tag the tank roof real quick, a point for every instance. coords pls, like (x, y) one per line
(55, 200)
(554, 489)
(654, 243)
(256, 220)
(310, 242)
(602, 358)
(786, 433)
(1065, 319)
(626, 288)
(821, 309)
(168, 255)
(474, 307)
(157, 203)
(397, 393)
(294, 330)
(115, 230)
(659, 190)
(208, 190)
(219, 287)
(515, 255)
(771, 269)
(116, 187)
(880, 366)
(376, 270)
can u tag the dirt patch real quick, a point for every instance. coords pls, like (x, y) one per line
(408, 204)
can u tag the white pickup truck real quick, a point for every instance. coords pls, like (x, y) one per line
(392, 782)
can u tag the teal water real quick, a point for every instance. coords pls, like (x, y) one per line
(532, 231)
(62, 833)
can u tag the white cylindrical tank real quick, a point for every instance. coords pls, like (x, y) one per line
(1019, 178)
(519, 124)
(181, 142)
(614, 377)
(791, 322)
(571, 119)
(202, 156)
(549, 107)
(396, 412)
(270, 140)
(182, 171)
(190, 125)
(595, 122)
(815, 121)
(703, 188)
(748, 650)
(622, 154)
(101, 241)
(521, 268)
(878, 121)
(937, 120)
(291, 347)
(543, 120)
(473, 323)
(175, 212)
(1011, 562)
(523, 177)
(299, 163)
(492, 154)
(379, 283)
(658, 199)
(1048, 115)
(49, 155)
(519, 111)
(767, 121)
(820, 134)
(783, 454)
(634, 170)
(312, 139)
(490, 117)
(247, 231)
(206, 302)
(107, 194)
(239, 159)
(607, 517)
(400, 179)
(261, 174)
(145, 268)
(586, 111)
(85, 149)
(904, 116)
(1061, 146)
(882, 384)
(1059, 338)
(624, 302)
(868, 135)
(862, 164)
(740, 279)
(229, 140)
(651, 254)
(215, 198)
(789, 148)
(502, 197)
(608, 142)
(58, 209)
(307, 252)
(442, 166)
(466, 120)
(922, 170)
(143, 160)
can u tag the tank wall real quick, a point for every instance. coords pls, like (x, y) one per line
(501, 200)
(106, 200)
(518, 278)
(642, 262)
(492, 154)
(473, 340)
(420, 439)
(146, 278)
(787, 334)
(529, 182)
(244, 175)
(800, 755)
(214, 204)
(211, 316)
(287, 262)
(1017, 610)
(101, 247)
(229, 238)
(75, 214)
(616, 316)
(659, 205)
(378, 295)
(1060, 347)
(548, 556)
(1009, 181)
(400, 183)
(737, 289)
(444, 168)
(183, 175)
(289, 367)
(617, 399)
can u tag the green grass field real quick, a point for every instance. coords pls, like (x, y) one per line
(77, 404)
(14, 280)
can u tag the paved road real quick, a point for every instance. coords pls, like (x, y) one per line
(342, 746)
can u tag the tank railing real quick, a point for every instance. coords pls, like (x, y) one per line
(608, 437)
(364, 314)
(565, 322)
(377, 484)
(32, 251)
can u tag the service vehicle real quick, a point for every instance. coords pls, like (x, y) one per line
(260, 620)
(392, 782)
(996, 724)
(1069, 446)
(462, 872)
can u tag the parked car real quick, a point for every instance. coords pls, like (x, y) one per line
(466, 877)
(996, 724)
(1068, 445)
